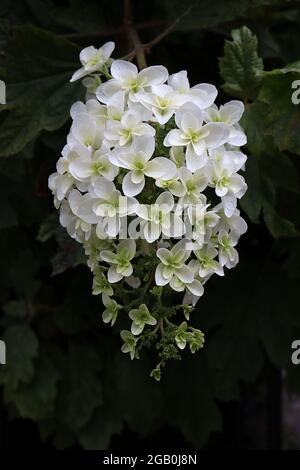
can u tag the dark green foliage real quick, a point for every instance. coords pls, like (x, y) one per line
(240, 67)
(65, 370)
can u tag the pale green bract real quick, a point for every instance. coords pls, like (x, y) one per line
(148, 183)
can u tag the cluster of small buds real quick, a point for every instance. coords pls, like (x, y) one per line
(150, 171)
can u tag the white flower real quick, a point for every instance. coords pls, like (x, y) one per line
(141, 317)
(235, 223)
(122, 132)
(228, 256)
(92, 107)
(85, 131)
(173, 264)
(109, 204)
(203, 221)
(116, 106)
(88, 164)
(110, 201)
(195, 287)
(237, 158)
(194, 184)
(137, 160)
(225, 179)
(195, 136)
(162, 102)
(177, 155)
(229, 203)
(173, 185)
(229, 113)
(127, 77)
(203, 95)
(157, 218)
(111, 312)
(207, 263)
(60, 185)
(91, 84)
(69, 217)
(119, 261)
(93, 59)
(130, 171)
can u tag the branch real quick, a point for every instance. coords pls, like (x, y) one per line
(139, 52)
(141, 48)
(113, 31)
(168, 30)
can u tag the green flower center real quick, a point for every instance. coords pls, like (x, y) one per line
(98, 167)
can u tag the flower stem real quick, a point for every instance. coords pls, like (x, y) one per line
(161, 326)
(138, 47)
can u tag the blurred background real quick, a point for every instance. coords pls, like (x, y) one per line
(66, 383)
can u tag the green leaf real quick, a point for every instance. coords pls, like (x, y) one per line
(234, 343)
(254, 124)
(240, 66)
(81, 390)
(70, 255)
(35, 400)
(105, 423)
(9, 216)
(263, 175)
(23, 273)
(81, 16)
(48, 228)
(276, 313)
(283, 118)
(39, 67)
(195, 413)
(280, 170)
(21, 349)
(206, 14)
(4, 31)
(278, 226)
(137, 413)
(16, 308)
(252, 201)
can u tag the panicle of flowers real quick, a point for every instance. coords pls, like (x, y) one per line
(148, 183)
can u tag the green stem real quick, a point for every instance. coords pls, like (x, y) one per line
(161, 326)
(139, 51)
(139, 48)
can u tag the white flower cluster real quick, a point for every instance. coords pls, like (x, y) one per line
(151, 161)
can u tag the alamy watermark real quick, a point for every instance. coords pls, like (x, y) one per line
(296, 93)
(2, 343)
(2, 353)
(295, 358)
(2, 92)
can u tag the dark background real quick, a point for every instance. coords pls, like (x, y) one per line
(66, 383)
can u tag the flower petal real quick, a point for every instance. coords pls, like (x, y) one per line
(195, 161)
(159, 278)
(185, 274)
(121, 69)
(196, 288)
(113, 276)
(232, 111)
(175, 137)
(144, 144)
(154, 75)
(160, 167)
(218, 134)
(165, 201)
(103, 187)
(211, 93)
(129, 187)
